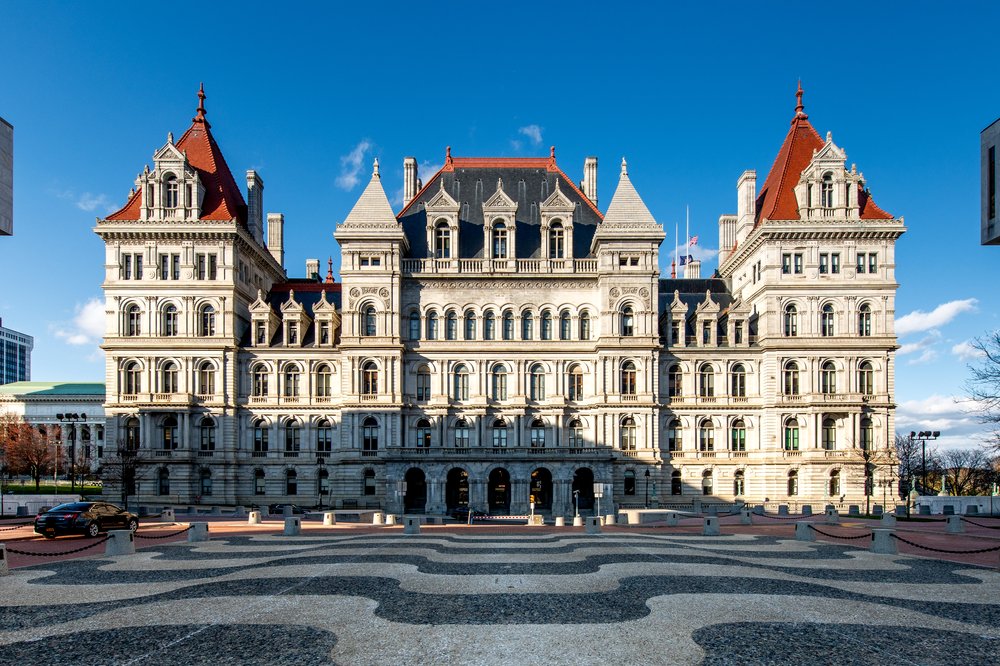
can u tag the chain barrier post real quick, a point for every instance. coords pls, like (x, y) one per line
(883, 542)
(4, 569)
(167, 516)
(293, 526)
(803, 531)
(711, 526)
(782, 509)
(329, 518)
(411, 524)
(378, 518)
(254, 518)
(746, 517)
(832, 516)
(807, 510)
(120, 542)
(673, 519)
(954, 525)
(593, 525)
(888, 520)
(198, 532)
(240, 512)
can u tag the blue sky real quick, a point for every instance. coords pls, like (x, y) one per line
(691, 95)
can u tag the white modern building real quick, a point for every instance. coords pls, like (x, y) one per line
(15, 355)
(501, 340)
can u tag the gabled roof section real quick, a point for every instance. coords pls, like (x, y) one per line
(869, 210)
(626, 205)
(372, 206)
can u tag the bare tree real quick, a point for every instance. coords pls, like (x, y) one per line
(124, 469)
(968, 471)
(983, 386)
(26, 449)
(912, 455)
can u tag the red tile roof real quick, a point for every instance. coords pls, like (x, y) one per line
(223, 199)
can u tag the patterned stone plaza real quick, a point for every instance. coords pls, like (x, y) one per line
(502, 595)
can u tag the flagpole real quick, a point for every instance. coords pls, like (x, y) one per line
(687, 230)
(677, 251)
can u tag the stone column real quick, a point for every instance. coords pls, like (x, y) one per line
(519, 496)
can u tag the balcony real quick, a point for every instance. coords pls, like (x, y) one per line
(162, 453)
(206, 454)
(258, 454)
(511, 266)
(368, 397)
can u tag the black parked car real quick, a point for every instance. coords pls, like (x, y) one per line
(462, 513)
(278, 509)
(88, 518)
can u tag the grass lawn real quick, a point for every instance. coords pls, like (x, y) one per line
(49, 489)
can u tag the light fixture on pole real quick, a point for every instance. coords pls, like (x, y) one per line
(923, 436)
(647, 488)
(72, 419)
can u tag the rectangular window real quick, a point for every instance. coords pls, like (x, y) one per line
(861, 262)
(175, 267)
(786, 264)
(738, 333)
(293, 333)
(706, 333)
(872, 263)
(127, 267)
(824, 264)
(798, 263)
(675, 332)
(164, 266)
(324, 333)
(423, 386)
(364, 261)
(201, 266)
(835, 263)
(213, 267)
(261, 333)
(138, 267)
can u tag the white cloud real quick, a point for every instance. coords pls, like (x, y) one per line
(925, 346)
(87, 326)
(533, 132)
(918, 320)
(350, 166)
(955, 417)
(87, 201)
(966, 352)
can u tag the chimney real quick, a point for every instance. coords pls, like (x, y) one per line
(590, 179)
(746, 204)
(312, 269)
(692, 270)
(409, 179)
(255, 205)
(276, 237)
(727, 236)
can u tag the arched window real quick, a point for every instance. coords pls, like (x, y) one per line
(675, 381)
(499, 240)
(626, 441)
(442, 240)
(168, 433)
(828, 378)
(206, 378)
(461, 383)
(574, 383)
(537, 383)
(499, 382)
(865, 320)
(627, 321)
(706, 436)
(207, 321)
(866, 378)
(546, 325)
(324, 381)
(168, 378)
(132, 378)
(461, 434)
(584, 325)
(738, 436)
(537, 434)
(675, 483)
(508, 325)
(706, 380)
(291, 482)
(163, 486)
(791, 435)
(293, 439)
(132, 433)
(707, 482)
(423, 383)
(557, 241)
(527, 326)
(826, 321)
(171, 191)
(261, 435)
(791, 321)
(170, 320)
(674, 442)
(292, 381)
(739, 484)
(565, 326)
(369, 435)
(423, 434)
(829, 435)
(627, 379)
(834, 486)
(827, 191)
(432, 326)
(470, 325)
(738, 381)
(414, 325)
(207, 434)
(259, 374)
(369, 321)
(258, 482)
(489, 326)
(790, 385)
(451, 326)
(324, 436)
(499, 434)
(867, 435)
(575, 434)
(369, 378)
(133, 321)
(629, 482)
(793, 483)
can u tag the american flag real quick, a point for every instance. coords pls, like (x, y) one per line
(694, 240)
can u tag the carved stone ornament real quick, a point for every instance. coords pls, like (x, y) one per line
(614, 293)
(383, 293)
(355, 292)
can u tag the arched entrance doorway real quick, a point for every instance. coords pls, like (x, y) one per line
(499, 491)
(541, 489)
(583, 483)
(416, 491)
(456, 492)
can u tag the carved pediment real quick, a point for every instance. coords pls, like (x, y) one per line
(708, 306)
(259, 306)
(169, 153)
(442, 202)
(558, 202)
(500, 201)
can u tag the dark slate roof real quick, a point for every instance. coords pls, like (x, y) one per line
(307, 293)
(471, 182)
(692, 292)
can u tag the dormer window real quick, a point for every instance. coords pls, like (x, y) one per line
(499, 241)
(171, 192)
(293, 333)
(442, 240)
(260, 334)
(557, 241)
(826, 193)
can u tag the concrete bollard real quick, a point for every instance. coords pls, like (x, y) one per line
(804, 531)
(673, 519)
(712, 510)
(746, 517)
(759, 510)
(954, 525)
(900, 510)
(121, 542)
(293, 526)
(593, 525)
(878, 510)
(854, 510)
(609, 519)
(577, 521)
(782, 509)
(253, 518)
(390, 519)
(832, 516)
(924, 510)
(286, 511)
(378, 518)
(240, 512)
(828, 507)
(883, 542)
(948, 510)
(888, 520)
(329, 518)
(411, 525)
(4, 569)
(972, 510)
(216, 510)
(192, 510)
(696, 505)
(807, 509)
(167, 516)
(560, 521)
(711, 526)
(198, 532)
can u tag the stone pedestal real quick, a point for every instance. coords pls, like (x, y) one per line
(673, 519)
(167, 516)
(807, 509)
(593, 525)
(804, 531)
(411, 525)
(286, 511)
(782, 509)
(609, 519)
(954, 525)
(253, 518)
(240, 512)
(536, 520)
(4, 568)
(216, 511)
(577, 521)
(122, 542)
(293, 526)
(883, 542)
(560, 521)
(832, 517)
(390, 519)
(888, 520)
(378, 518)
(711, 526)
(329, 518)
(198, 532)
(696, 505)
(746, 517)
(853, 510)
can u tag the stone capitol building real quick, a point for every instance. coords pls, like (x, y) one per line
(501, 340)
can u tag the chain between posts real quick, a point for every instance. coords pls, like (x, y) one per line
(837, 536)
(797, 517)
(163, 536)
(68, 552)
(942, 550)
(989, 527)
(16, 527)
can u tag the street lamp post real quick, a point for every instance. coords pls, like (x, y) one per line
(647, 488)
(72, 419)
(923, 436)
(321, 464)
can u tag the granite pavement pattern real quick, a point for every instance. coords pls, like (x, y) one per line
(528, 597)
